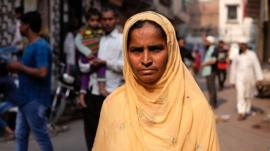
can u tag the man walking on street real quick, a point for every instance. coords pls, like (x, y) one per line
(34, 85)
(246, 74)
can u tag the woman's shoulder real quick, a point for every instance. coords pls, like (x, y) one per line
(116, 98)
(114, 104)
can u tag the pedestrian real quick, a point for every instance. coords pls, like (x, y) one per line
(16, 45)
(7, 101)
(5, 106)
(160, 106)
(222, 63)
(34, 92)
(209, 69)
(70, 50)
(186, 53)
(233, 52)
(246, 74)
(110, 56)
(197, 61)
(18, 39)
(87, 43)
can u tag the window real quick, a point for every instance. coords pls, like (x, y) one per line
(232, 12)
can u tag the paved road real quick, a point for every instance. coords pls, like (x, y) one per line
(252, 134)
(70, 140)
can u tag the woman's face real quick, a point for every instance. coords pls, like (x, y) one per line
(147, 53)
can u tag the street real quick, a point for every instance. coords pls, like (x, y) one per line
(70, 140)
(252, 134)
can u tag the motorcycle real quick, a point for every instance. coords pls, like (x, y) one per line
(65, 94)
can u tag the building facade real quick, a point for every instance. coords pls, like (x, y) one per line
(203, 18)
(234, 24)
(7, 21)
(260, 12)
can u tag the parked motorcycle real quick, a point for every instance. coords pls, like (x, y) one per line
(65, 94)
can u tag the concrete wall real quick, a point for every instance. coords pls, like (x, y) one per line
(203, 18)
(232, 30)
(175, 11)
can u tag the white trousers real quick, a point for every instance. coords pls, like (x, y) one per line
(244, 96)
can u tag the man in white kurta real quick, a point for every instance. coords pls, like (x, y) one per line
(246, 73)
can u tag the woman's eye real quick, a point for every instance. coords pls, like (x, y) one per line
(136, 50)
(156, 48)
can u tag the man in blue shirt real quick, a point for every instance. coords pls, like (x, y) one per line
(34, 85)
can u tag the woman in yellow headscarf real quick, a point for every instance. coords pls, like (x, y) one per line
(160, 107)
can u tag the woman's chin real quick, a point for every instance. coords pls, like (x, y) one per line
(148, 81)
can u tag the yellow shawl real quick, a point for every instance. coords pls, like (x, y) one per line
(172, 115)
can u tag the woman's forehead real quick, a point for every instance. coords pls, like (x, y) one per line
(149, 26)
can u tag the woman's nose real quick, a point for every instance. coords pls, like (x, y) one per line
(146, 60)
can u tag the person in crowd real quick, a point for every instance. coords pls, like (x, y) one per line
(197, 61)
(160, 106)
(186, 54)
(209, 69)
(87, 42)
(109, 55)
(8, 132)
(232, 55)
(233, 52)
(34, 92)
(70, 50)
(16, 45)
(7, 101)
(222, 63)
(247, 73)
(8, 86)
(17, 39)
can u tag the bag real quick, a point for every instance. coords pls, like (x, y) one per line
(222, 65)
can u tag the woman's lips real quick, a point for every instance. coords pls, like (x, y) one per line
(147, 71)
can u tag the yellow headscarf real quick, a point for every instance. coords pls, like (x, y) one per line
(163, 110)
(162, 117)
